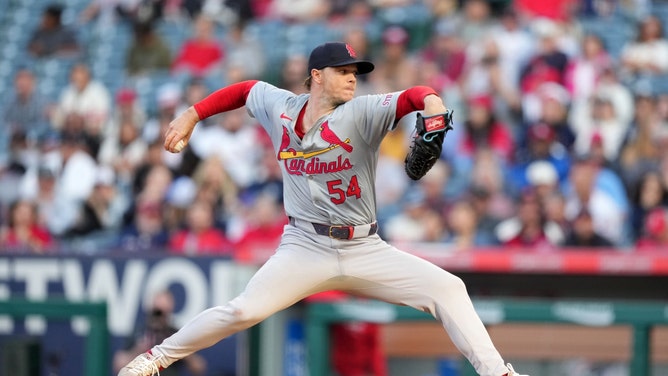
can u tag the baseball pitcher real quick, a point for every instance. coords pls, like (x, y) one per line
(326, 143)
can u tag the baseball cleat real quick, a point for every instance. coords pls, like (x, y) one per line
(511, 371)
(145, 364)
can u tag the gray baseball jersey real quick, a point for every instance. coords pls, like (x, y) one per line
(329, 175)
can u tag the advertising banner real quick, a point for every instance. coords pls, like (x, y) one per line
(127, 284)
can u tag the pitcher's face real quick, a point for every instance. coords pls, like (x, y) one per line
(339, 83)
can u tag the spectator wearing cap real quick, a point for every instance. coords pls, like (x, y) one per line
(126, 107)
(145, 230)
(597, 153)
(397, 68)
(551, 104)
(51, 37)
(543, 178)
(541, 145)
(584, 235)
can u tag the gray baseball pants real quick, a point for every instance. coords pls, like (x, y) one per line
(306, 263)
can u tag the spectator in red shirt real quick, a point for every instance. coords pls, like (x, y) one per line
(484, 131)
(263, 230)
(23, 233)
(199, 236)
(553, 9)
(202, 53)
(655, 230)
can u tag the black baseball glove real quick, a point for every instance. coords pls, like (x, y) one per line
(427, 145)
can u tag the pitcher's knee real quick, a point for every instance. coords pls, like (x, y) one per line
(452, 283)
(238, 317)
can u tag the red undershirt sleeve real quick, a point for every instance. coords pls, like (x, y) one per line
(225, 99)
(412, 100)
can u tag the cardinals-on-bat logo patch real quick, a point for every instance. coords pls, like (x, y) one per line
(325, 132)
(295, 159)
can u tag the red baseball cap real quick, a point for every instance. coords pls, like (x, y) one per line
(481, 100)
(395, 35)
(597, 139)
(541, 132)
(126, 95)
(336, 54)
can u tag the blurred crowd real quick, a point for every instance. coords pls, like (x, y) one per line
(560, 140)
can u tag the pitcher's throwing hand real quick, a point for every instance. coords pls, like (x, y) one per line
(180, 129)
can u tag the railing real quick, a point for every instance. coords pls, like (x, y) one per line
(641, 316)
(96, 351)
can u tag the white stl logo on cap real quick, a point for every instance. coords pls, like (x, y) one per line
(351, 52)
